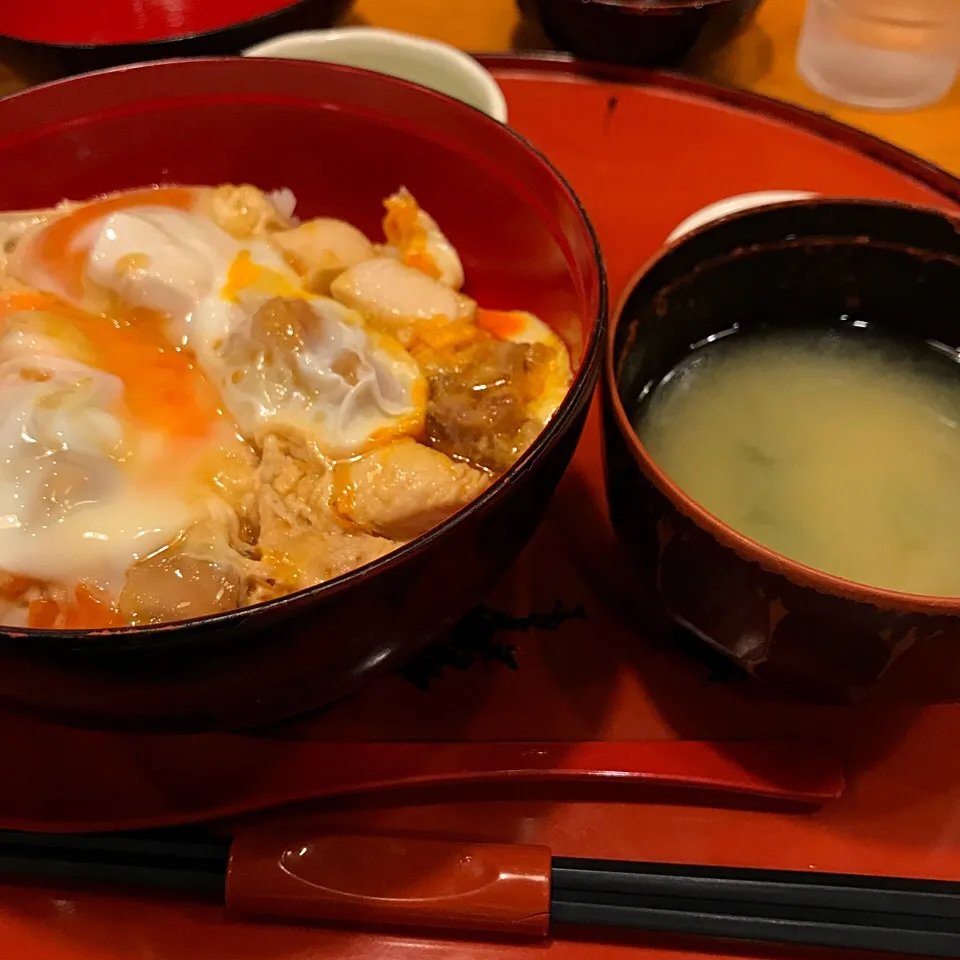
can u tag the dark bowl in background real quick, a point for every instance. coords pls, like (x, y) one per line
(342, 140)
(648, 33)
(803, 630)
(71, 39)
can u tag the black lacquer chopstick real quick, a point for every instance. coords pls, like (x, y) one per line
(469, 888)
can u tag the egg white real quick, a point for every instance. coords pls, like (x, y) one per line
(351, 388)
(211, 285)
(74, 503)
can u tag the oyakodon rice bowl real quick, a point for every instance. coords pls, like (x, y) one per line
(208, 404)
(273, 428)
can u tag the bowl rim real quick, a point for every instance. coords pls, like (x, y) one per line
(579, 394)
(467, 66)
(724, 534)
(644, 8)
(287, 7)
(735, 203)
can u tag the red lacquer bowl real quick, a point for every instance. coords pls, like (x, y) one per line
(341, 139)
(817, 260)
(104, 33)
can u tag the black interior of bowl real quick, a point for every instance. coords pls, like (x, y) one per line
(895, 267)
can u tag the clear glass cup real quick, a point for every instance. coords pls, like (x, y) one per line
(881, 54)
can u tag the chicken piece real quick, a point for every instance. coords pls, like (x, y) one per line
(173, 586)
(301, 541)
(296, 481)
(307, 557)
(396, 297)
(242, 211)
(264, 360)
(480, 399)
(233, 474)
(404, 489)
(204, 572)
(419, 242)
(320, 250)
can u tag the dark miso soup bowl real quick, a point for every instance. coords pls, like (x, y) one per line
(342, 140)
(803, 630)
(648, 33)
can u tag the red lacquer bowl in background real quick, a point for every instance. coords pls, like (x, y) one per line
(341, 139)
(650, 33)
(95, 34)
(804, 630)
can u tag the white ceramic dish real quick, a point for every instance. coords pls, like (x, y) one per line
(742, 201)
(427, 62)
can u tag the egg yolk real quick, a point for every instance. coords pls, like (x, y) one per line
(502, 324)
(90, 609)
(66, 260)
(248, 276)
(403, 230)
(164, 387)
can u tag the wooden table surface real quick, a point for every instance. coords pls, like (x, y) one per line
(761, 59)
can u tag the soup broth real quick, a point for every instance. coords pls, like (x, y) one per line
(838, 449)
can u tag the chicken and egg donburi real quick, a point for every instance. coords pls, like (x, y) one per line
(207, 403)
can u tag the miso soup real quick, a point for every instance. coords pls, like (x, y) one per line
(839, 449)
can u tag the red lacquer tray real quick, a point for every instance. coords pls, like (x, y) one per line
(643, 154)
